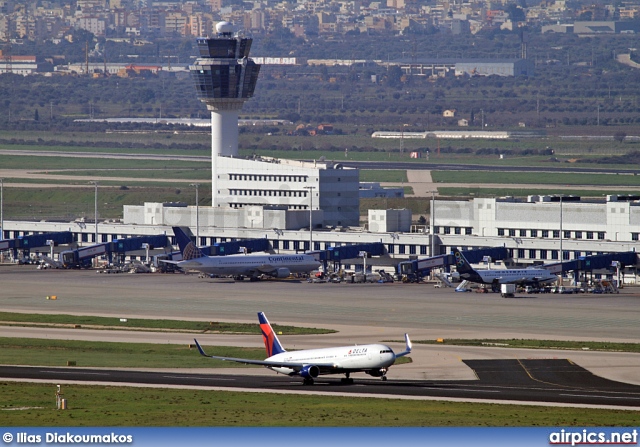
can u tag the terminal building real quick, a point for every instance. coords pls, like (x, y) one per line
(314, 205)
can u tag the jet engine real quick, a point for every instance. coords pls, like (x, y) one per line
(377, 372)
(283, 272)
(310, 372)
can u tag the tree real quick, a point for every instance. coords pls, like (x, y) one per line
(394, 73)
(619, 136)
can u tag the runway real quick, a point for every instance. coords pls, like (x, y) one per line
(515, 381)
(361, 313)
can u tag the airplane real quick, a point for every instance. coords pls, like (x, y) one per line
(373, 359)
(241, 265)
(522, 277)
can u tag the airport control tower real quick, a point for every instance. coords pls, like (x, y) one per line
(225, 78)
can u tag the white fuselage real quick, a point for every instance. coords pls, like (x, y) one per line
(250, 264)
(344, 358)
(515, 276)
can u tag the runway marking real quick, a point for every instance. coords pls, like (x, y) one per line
(199, 378)
(463, 389)
(77, 372)
(601, 397)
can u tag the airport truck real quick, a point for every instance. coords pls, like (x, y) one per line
(507, 290)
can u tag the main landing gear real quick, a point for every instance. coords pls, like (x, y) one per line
(347, 380)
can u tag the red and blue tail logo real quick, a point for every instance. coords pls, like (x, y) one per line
(269, 337)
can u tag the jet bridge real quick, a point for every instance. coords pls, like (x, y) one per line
(33, 241)
(587, 264)
(82, 257)
(341, 253)
(419, 268)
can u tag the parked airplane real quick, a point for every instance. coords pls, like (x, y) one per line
(240, 265)
(522, 277)
(374, 359)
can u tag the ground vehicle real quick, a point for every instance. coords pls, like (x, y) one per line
(507, 290)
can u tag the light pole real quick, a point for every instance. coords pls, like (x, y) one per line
(197, 186)
(279, 233)
(433, 222)
(561, 254)
(310, 188)
(95, 209)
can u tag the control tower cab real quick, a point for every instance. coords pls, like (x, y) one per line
(224, 78)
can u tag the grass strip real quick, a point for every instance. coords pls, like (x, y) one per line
(92, 322)
(96, 354)
(541, 178)
(383, 175)
(34, 405)
(539, 344)
(521, 192)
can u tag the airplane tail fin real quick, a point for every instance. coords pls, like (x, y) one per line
(271, 342)
(187, 247)
(462, 265)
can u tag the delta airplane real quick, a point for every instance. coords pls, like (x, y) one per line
(374, 359)
(240, 265)
(521, 277)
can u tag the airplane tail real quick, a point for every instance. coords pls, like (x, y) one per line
(187, 247)
(462, 265)
(271, 342)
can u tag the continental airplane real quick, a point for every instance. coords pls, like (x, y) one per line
(374, 359)
(240, 265)
(521, 277)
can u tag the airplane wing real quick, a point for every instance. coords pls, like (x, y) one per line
(293, 365)
(407, 349)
